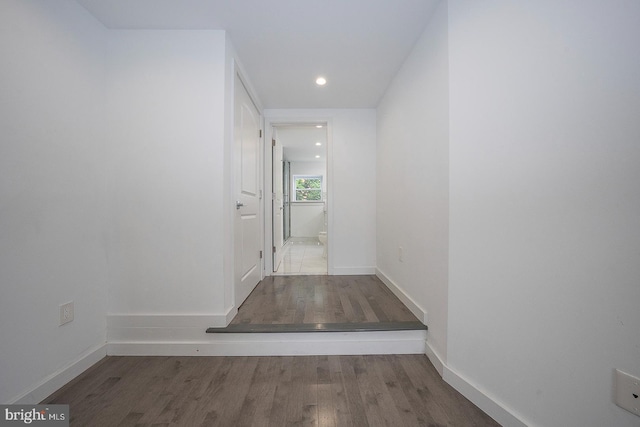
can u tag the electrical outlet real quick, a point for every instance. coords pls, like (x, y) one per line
(66, 313)
(400, 254)
(628, 392)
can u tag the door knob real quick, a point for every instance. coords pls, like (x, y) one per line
(239, 205)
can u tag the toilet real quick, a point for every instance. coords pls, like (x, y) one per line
(322, 236)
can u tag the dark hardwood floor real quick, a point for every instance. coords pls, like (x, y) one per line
(322, 299)
(395, 390)
(376, 390)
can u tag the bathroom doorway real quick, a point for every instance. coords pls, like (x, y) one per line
(299, 182)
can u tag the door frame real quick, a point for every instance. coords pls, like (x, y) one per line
(269, 123)
(276, 149)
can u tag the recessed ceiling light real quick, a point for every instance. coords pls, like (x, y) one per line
(321, 81)
(319, 126)
(318, 143)
(317, 157)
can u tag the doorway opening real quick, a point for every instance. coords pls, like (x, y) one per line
(300, 199)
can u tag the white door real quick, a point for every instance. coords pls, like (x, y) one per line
(247, 232)
(278, 202)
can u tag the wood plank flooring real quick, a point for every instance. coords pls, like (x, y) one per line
(396, 390)
(322, 299)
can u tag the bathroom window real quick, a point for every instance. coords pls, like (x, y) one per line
(307, 188)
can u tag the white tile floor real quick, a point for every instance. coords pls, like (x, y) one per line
(303, 256)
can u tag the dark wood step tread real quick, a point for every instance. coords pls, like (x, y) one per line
(243, 328)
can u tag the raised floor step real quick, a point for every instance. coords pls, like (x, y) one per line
(241, 328)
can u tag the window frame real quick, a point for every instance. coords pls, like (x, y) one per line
(294, 189)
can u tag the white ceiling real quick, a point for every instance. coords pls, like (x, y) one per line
(299, 143)
(284, 44)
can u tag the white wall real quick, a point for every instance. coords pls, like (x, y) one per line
(544, 271)
(307, 219)
(53, 199)
(351, 164)
(413, 182)
(166, 112)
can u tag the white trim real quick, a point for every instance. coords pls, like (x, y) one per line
(483, 400)
(231, 313)
(238, 68)
(353, 271)
(267, 179)
(269, 123)
(163, 327)
(435, 359)
(276, 344)
(417, 311)
(61, 377)
(186, 335)
(489, 404)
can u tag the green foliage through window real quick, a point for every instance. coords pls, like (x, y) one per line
(307, 188)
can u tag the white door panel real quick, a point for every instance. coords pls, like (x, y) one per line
(247, 184)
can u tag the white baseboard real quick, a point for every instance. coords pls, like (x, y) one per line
(277, 344)
(163, 328)
(61, 377)
(352, 271)
(489, 404)
(231, 313)
(417, 311)
(141, 335)
(435, 359)
(481, 399)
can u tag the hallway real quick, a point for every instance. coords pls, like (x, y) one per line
(322, 390)
(322, 299)
(358, 391)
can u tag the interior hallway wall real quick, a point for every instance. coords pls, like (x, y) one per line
(53, 197)
(412, 179)
(544, 262)
(166, 94)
